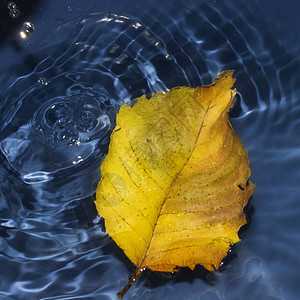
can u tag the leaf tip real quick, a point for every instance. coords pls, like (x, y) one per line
(225, 74)
(226, 77)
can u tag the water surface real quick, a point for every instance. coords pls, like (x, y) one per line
(60, 91)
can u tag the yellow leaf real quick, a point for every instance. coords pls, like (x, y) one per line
(174, 183)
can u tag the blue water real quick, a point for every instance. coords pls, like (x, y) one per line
(60, 91)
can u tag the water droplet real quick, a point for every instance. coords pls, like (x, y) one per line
(11, 5)
(26, 30)
(14, 13)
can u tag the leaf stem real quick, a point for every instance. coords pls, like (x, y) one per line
(131, 281)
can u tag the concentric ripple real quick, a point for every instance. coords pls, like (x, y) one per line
(76, 119)
(58, 107)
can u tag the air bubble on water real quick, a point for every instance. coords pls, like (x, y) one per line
(26, 30)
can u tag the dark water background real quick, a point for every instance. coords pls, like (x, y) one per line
(60, 91)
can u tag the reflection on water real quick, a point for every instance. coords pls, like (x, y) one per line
(58, 108)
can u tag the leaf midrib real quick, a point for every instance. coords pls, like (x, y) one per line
(174, 180)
